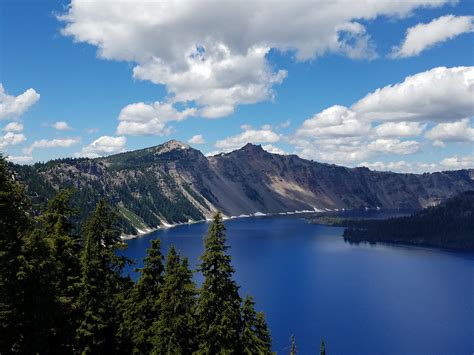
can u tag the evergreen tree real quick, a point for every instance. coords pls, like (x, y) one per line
(219, 300)
(175, 330)
(255, 337)
(322, 348)
(57, 227)
(141, 306)
(14, 223)
(102, 285)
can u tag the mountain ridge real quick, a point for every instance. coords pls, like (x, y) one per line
(175, 183)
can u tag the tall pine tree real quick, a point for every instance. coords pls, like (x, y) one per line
(14, 223)
(255, 338)
(219, 300)
(175, 330)
(102, 285)
(141, 308)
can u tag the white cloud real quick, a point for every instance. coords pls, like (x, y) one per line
(427, 35)
(272, 149)
(285, 124)
(399, 129)
(378, 124)
(15, 106)
(440, 94)
(215, 54)
(53, 143)
(102, 146)
(11, 138)
(61, 126)
(249, 135)
(401, 166)
(197, 139)
(439, 144)
(336, 121)
(21, 159)
(149, 119)
(459, 131)
(455, 162)
(13, 127)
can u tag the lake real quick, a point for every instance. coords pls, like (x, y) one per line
(361, 299)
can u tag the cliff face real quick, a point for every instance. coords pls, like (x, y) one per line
(175, 183)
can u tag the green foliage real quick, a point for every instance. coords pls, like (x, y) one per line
(219, 300)
(101, 284)
(255, 338)
(175, 330)
(322, 348)
(62, 294)
(141, 307)
(450, 225)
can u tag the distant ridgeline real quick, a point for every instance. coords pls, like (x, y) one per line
(173, 183)
(450, 225)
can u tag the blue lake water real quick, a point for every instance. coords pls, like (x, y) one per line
(361, 299)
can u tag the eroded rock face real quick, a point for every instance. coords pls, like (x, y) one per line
(173, 183)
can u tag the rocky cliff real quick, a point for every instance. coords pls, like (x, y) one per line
(173, 183)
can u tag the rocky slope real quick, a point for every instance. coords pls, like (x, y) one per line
(173, 183)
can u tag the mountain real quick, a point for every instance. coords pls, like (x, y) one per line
(450, 224)
(172, 183)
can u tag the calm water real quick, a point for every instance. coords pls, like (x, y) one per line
(360, 299)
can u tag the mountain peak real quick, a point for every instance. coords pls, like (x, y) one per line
(172, 144)
(249, 147)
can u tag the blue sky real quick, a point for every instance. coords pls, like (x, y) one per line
(96, 78)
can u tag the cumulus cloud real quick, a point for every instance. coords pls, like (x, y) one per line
(249, 135)
(11, 138)
(440, 94)
(150, 119)
(102, 146)
(13, 127)
(15, 106)
(20, 159)
(426, 35)
(459, 131)
(215, 55)
(53, 143)
(380, 123)
(399, 129)
(272, 149)
(61, 126)
(456, 162)
(197, 139)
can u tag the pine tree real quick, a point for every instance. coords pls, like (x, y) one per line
(219, 300)
(255, 338)
(14, 223)
(102, 285)
(57, 227)
(175, 330)
(141, 308)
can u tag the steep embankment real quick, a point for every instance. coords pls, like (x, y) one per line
(173, 183)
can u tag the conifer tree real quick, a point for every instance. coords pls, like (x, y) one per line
(141, 305)
(219, 300)
(255, 338)
(293, 346)
(101, 284)
(175, 330)
(57, 227)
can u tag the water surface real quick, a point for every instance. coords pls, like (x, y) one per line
(361, 299)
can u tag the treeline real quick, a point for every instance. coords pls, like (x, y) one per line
(64, 292)
(449, 225)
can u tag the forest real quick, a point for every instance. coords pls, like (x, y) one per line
(63, 289)
(448, 225)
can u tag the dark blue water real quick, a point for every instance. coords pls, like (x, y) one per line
(361, 299)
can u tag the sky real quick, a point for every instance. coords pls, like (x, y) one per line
(383, 84)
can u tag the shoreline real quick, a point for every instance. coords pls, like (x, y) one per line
(142, 233)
